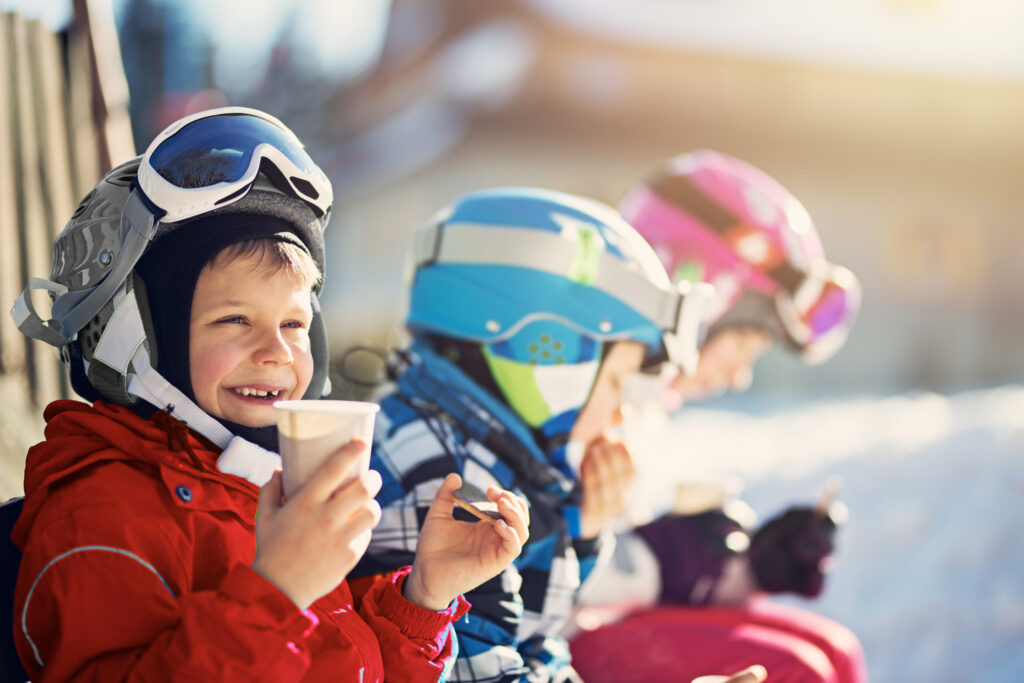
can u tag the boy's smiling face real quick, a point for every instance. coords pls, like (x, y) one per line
(249, 339)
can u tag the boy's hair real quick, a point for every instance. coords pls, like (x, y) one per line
(283, 255)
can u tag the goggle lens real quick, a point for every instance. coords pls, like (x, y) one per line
(219, 149)
(821, 328)
(833, 308)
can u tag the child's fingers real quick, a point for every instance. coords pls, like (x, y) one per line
(752, 674)
(444, 499)
(511, 542)
(270, 494)
(365, 518)
(523, 509)
(603, 475)
(334, 470)
(349, 498)
(624, 466)
(513, 515)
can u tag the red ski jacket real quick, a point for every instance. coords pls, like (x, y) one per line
(136, 566)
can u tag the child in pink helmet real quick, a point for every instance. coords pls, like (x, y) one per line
(714, 218)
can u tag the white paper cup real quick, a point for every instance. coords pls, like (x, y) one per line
(693, 498)
(310, 430)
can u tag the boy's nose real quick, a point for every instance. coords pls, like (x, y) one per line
(273, 349)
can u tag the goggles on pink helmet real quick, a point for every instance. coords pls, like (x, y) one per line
(714, 218)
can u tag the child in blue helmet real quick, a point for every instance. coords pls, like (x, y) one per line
(156, 544)
(529, 310)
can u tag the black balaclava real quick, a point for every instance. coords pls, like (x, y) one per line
(170, 271)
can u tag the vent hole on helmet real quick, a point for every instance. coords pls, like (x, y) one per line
(80, 209)
(305, 187)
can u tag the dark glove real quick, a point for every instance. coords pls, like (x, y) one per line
(790, 552)
(692, 551)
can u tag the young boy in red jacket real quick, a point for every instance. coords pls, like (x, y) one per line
(155, 541)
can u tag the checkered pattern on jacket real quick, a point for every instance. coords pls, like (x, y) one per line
(511, 631)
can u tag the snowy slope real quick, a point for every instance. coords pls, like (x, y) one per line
(929, 572)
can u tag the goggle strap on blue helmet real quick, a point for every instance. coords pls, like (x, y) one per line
(677, 310)
(684, 343)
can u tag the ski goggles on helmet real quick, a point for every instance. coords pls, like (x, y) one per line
(668, 318)
(819, 312)
(817, 305)
(207, 160)
(195, 166)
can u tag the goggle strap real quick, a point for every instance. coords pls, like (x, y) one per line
(684, 342)
(74, 310)
(149, 385)
(28, 322)
(808, 293)
(680, 191)
(551, 252)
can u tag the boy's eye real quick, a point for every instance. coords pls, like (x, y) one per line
(296, 324)
(232, 319)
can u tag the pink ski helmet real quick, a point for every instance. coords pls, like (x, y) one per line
(714, 218)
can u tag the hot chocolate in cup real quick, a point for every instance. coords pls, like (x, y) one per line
(310, 430)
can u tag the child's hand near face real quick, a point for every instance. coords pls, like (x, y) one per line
(607, 474)
(453, 557)
(309, 545)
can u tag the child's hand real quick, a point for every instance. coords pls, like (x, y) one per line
(752, 674)
(606, 473)
(793, 551)
(453, 557)
(307, 546)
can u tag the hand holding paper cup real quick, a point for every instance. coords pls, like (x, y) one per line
(310, 430)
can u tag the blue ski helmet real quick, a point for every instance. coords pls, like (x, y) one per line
(542, 280)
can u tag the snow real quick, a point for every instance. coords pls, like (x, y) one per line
(928, 570)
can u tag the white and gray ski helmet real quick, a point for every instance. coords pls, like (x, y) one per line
(88, 246)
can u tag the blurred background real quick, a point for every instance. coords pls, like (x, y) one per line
(898, 123)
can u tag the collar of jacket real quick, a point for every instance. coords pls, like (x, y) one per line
(485, 419)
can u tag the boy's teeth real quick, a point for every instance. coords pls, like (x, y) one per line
(246, 391)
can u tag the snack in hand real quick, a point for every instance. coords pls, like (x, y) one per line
(475, 502)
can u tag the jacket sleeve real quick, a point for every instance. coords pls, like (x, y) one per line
(487, 635)
(110, 605)
(416, 644)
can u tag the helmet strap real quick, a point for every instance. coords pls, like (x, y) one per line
(150, 386)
